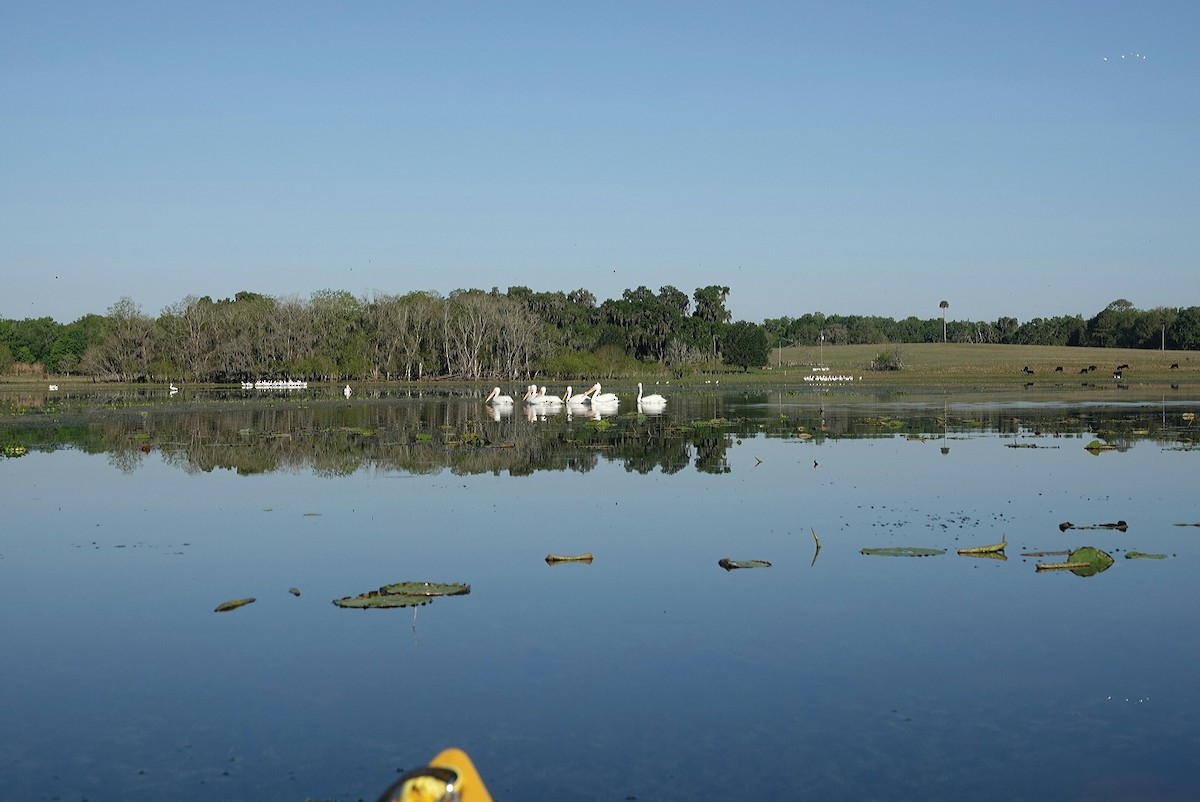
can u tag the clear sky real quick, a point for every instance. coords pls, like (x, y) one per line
(1014, 158)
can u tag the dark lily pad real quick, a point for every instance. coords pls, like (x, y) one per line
(730, 565)
(233, 604)
(904, 551)
(1141, 555)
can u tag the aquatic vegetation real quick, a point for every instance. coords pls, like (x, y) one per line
(1121, 526)
(994, 548)
(730, 565)
(904, 551)
(554, 559)
(233, 604)
(403, 594)
(1084, 561)
(1097, 446)
(1141, 555)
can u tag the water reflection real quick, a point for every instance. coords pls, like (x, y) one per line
(421, 431)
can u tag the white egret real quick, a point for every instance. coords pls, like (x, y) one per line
(346, 392)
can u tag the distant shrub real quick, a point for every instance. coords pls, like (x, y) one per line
(891, 359)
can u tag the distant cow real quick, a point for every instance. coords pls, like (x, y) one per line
(1058, 369)
(1091, 367)
(1122, 367)
(1174, 366)
(1026, 369)
(1083, 370)
(1117, 374)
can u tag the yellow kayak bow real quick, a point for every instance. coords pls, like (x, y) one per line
(449, 777)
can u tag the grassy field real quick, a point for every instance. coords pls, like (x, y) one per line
(955, 364)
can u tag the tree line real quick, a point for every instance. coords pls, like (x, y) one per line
(1118, 325)
(333, 335)
(476, 334)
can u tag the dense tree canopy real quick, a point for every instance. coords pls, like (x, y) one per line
(475, 334)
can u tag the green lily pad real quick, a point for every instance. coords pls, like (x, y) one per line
(375, 599)
(1141, 555)
(1095, 559)
(904, 551)
(403, 594)
(427, 589)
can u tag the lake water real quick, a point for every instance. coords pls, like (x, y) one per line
(651, 673)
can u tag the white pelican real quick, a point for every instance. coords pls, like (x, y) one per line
(576, 399)
(653, 400)
(598, 397)
(530, 396)
(498, 400)
(53, 387)
(347, 391)
(546, 400)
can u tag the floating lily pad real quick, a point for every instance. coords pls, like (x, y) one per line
(1096, 560)
(555, 559)
(233, 604)
(1085, 561)
(992, 549)
(1141, 555)
(904, 551)
(427, 589)
(729, 564)
(375, 599)
(1096, 447)
(403, 594)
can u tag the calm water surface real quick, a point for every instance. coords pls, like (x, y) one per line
(651, 673)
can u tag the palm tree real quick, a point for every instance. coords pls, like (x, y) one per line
(944, 305)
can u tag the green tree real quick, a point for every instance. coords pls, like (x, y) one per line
(744, 344)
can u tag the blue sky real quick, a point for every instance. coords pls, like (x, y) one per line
(849, 158)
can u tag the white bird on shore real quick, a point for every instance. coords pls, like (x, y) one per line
(346, 392)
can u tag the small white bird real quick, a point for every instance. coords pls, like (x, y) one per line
(346, 392)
